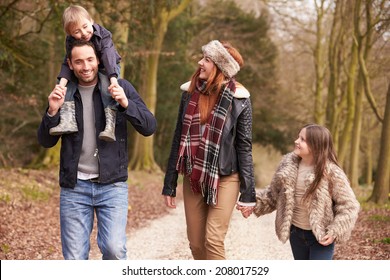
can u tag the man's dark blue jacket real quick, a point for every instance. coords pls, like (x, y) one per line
(113, 156)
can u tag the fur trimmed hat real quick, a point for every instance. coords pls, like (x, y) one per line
(222, 58)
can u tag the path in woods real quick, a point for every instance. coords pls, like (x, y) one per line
(247, 239)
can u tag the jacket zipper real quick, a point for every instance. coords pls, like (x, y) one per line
(96, 154)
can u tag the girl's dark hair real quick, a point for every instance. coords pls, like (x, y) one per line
(319, 141)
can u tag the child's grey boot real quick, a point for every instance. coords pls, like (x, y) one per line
(68, 122)
(109, 131)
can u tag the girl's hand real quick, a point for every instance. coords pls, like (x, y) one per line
(326, 240)
(246, 211)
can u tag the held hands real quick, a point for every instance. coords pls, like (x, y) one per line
(246, 211)
(118, 94)
(57, 97)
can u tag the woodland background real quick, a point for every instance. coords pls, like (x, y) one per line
(322, 61)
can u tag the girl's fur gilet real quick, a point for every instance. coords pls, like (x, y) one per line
(333, 213)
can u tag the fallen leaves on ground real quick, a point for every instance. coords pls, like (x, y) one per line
(29, 223)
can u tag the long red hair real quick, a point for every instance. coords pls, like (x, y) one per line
(214, 84)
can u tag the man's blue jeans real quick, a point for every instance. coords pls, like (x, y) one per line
(305, 246)
(77, 208)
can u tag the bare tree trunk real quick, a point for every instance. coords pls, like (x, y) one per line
(143, 152)
(353, 172)
(334, 66)
(368, 147)
(142, 156)
(338, 57)
(346, 134)
(380, 194)
(369, 165)
(364, 42)
(51, 157)
(363, 50)
(121, 35)
(319, 114)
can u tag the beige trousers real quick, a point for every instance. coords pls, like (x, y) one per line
(207, 225)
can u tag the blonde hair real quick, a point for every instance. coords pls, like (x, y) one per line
(73, 15)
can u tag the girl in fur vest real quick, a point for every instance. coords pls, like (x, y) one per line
(315, 205)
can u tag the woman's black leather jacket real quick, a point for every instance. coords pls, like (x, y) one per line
(235, 150)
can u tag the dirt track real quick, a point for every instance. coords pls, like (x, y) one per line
(247, 239)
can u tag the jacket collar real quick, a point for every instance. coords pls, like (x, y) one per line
(241, 91)
(97, 30)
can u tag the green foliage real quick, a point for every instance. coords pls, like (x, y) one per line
(30, 61)
(366, 205)
(380, 218)
(34, 193)
(5, 197)
(5, 248)
(363, 193)
(175, 68)
(226, 22)
(385, 240)
(24, 45)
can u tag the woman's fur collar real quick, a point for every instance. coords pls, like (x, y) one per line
(241, 91)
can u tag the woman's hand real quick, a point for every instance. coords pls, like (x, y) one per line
(246, 211)
(170, 201)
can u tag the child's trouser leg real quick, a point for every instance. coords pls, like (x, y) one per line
(67, 122)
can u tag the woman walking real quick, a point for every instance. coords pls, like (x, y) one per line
(212, 148)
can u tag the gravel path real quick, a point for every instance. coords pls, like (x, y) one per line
(165, 239)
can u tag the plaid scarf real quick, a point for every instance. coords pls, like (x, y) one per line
(198, 154)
